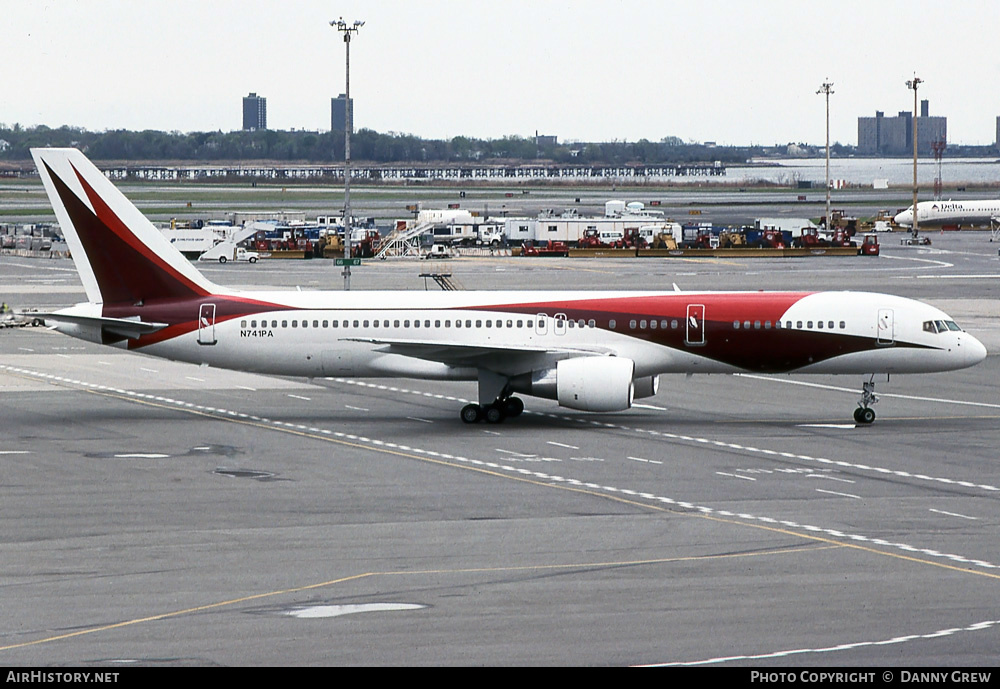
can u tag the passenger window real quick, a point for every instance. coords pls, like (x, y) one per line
(315, 324)
(510, 324)
(819, 324)
(479, 324)
(406, 324)
(612, 324)
(843, 325)
(305, 324)
(631, 324)
(652, 325)
(284, 324)
(416, 324)
(736, 325)
(374, 324)
(642, 325)
(326, 324)
(468, 324)
(593, 323)
(746, 325)
(767, 325)
(295, 324)
(243, 324)
(673, 325)
(395, 324)
(437, 324)
(798, 324)
(427, 324)
(520, 324)
(756, 325)
(366, 323)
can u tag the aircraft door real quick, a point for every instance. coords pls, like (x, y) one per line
(206, 324)
(541, 324)
(559, 324)
(886, 334)
(695, 329)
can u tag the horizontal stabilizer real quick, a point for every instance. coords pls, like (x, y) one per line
(131, 328)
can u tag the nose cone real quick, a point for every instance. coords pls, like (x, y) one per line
(904, 218)
(972, 350)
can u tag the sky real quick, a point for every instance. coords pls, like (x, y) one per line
(733, 72)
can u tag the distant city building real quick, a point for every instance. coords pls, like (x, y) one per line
(881, 135)
(338, 113)
(254, 112)
(545, 140)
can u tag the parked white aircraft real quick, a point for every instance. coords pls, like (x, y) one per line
(591, 351)
(952, 214)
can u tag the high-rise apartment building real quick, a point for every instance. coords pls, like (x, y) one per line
(254, 112)
(338, 114)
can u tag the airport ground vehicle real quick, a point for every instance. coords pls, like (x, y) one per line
(546, 248)
(591, 351)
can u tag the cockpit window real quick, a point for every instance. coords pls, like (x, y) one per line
(941, 326)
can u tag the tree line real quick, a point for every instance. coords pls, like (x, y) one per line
(367, 146)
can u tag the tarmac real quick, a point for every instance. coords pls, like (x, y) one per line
(158, 513)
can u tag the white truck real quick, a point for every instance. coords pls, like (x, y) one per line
(227, 251)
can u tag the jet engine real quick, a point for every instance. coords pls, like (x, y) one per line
(587, 383)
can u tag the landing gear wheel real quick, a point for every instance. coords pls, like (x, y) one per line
(513, 407)
(864, 415)
(494, 414)
(472, 413)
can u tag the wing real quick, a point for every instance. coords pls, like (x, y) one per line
(501, 358)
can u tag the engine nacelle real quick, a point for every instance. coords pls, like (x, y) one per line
(587, 383)
(646, 387)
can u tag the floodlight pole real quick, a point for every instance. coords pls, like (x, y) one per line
(347, 30)
(913, 84)
(827, 88)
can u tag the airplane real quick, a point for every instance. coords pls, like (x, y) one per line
(952, 214)
(593, 351)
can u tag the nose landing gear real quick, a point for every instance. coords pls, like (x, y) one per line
(864, 414)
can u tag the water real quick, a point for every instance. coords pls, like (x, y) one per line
(864, 171)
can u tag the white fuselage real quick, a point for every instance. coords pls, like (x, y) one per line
(958, 213)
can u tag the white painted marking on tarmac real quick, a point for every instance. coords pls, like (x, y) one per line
(827, 425)
(570, 447)
(25, 349)
(745, 478)
(15, 452)
(955, 514)
(977, 627)
(417, 418)
(613, 490)
(141, 455)
(648, 461)
(324, 611)
(843, 495)
(199, 380)
(244, 387)
(512, 452)
(830, 478)
(837, 388)
(300, 397)
(356, 408)
(148, 370)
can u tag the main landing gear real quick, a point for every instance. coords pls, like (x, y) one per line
(495, 387)
(493, 413)
(864, 414)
